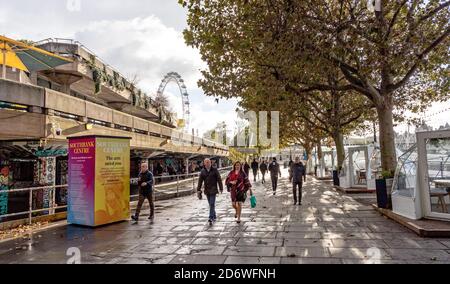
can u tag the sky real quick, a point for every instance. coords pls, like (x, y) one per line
(137, 37)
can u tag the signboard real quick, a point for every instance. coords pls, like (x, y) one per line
(51, 153)
(81, 181)
(99, 180)
(112, 180)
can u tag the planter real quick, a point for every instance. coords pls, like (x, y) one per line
(383, 189)
(336, 181)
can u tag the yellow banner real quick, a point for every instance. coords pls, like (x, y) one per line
(112, 180)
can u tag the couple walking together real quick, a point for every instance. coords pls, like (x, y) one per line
(237, 184)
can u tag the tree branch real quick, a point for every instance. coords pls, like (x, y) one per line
(420, 57)
(433, 12)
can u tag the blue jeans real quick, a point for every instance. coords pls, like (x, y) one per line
(212, 207)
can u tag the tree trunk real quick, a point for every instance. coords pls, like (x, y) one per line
(387, 138)
(340, 150)
(319, 151)
(307, 165)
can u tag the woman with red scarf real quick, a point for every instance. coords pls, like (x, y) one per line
(238, 184)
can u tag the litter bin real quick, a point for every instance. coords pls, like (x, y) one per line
(336, 181)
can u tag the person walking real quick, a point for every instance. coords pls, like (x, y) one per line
(212, 181)
(238, 184)
(247, 169)
(255, 167)
(298, 177)
(263, 169)
(146, 180)
(274, 169)
(290, 168)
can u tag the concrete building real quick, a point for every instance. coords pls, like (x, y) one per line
(39, 111)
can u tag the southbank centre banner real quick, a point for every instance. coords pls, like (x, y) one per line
(99, 180)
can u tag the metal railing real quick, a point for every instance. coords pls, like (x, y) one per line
(51, 209)
(176, 181)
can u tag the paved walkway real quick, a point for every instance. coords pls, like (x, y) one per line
(328, 228)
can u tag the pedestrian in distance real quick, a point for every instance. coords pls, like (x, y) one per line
(146, 180)
(263, 168)
(255, 166)
(212, 181)
(247, 169)
(238, 185)
(298, 177)
(290, 169)
(274, 169)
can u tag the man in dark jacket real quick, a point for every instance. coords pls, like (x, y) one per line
(145, 183)
(263, 169)
(274, 169)
(247, 169)
(255, 167)
(212, 180)
(298, 176)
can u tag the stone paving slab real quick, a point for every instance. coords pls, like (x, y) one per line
(215, 241)
(315, 252)
(328, 228)
(260, 242)
(420, 254)
(252, 260)
(201, 249)
(198, 259)
(359, 253)
(415, 244)
(250, 251)
(310, 260)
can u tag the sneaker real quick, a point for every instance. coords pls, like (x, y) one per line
(299, 204)
(135, 218)
(295, 202)
(151, 218)
(210, 222)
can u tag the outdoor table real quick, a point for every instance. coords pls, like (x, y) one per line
(441, 191)
(442, 183)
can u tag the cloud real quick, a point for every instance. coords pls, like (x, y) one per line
(143, 46)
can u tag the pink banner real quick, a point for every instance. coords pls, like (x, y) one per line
(81, 206)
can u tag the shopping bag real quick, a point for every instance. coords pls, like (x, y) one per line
(253, 201)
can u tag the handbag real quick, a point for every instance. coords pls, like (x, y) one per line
(253, 201)
(241, 195)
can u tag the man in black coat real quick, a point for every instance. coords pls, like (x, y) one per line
(247, 169)
(290, 169)
(263, 169)
(145, 183)
(298, 176)
(212, 180)
(274, 169)
(255, 167)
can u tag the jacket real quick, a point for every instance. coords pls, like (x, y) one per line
(255, 166)
(212, 181)
(246, 168)
(274, 169)
(263, 167)
(243, 183)
(146, 177)
(298, 173)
